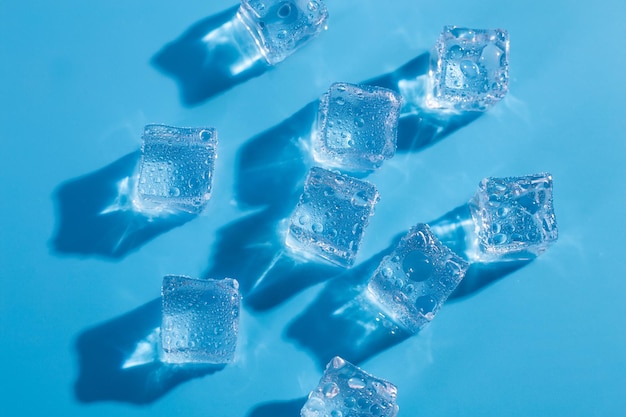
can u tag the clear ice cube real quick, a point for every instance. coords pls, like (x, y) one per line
(331, 216)
(176, 168)
(514, 217)
(200, 320)
(280, 27)
(357, 127)
(412, 283)
(346, 390)
(469, 68)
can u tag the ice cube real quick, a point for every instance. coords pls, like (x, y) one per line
(176, 168)
(469, 68)
(346, 390)
(514, 217)
(200, 320)
(280, 27)
(331, 216)
(357, 127)
(411, 284)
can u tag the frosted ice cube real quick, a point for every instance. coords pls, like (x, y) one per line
(412, 283)
(346, 390)
(357, 127)
(331, 216)
(280, 27)
(514, 217)
(176, 168)
(469, 68)
(200, 320)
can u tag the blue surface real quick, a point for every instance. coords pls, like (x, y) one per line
(79, 82)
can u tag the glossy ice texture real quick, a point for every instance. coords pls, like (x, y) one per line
(412, 283)
(357, 127)
(176, 168)
(331, 216)
(347, 391)
(514, 217)
(281, 27)
(469, 68)
(200, 320)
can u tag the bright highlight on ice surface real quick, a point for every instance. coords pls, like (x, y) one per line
(282, 27)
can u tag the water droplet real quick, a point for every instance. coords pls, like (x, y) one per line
(205, 135)
(356, 383)
(425, 304)
(317, 227)
(469, 69)
(376, 410)
(456, 52)
(336, 413)
(330, 390)
(502, 211)
(284, 11)
(304, 219)
(386, 272)
(340, 101)
(313, 6)
(174, 191)
(349, 402)
(359, 122)
(417, 266)
(499, 239)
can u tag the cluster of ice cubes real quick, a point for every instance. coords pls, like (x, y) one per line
(469, 68)
(346, 390)
(356, 131)
(200, 321)
(281, 27)
(176, 168)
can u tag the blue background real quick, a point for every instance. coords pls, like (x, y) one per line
(77, 86)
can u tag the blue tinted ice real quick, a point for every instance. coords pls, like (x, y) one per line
(280, 27)
(469, 68)
(176, 168)
(331, 216)
(357, 127)
(412, 283)
(347, 391)
(514, 217)
(200, 320)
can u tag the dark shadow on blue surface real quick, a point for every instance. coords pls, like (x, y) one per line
(271, 166)
(252, 249)
(419, 127)
(455, 229)
(95, 215)
(340, 322)
(210, 57)
(118, 360)
(279, 408)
